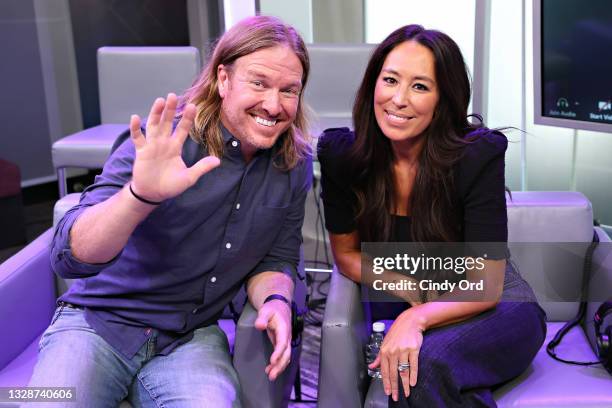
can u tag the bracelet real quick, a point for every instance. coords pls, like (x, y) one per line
(142, 199)
(276, 296)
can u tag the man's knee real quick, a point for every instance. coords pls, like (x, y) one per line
(220, 390)
(80, 359)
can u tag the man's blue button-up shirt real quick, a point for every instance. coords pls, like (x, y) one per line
(188, 259)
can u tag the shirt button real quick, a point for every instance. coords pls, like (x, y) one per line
(194, 311)
(213, 279)
(238, 206)
(228, 245)
(234, 143)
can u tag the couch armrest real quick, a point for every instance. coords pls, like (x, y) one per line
(342, 369)
(252, 351)
(27, 296)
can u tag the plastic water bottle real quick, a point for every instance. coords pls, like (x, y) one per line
(373, 347)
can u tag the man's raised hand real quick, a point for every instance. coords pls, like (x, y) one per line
(159, 171)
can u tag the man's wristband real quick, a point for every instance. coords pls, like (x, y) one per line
(142, 199)
(276, 296)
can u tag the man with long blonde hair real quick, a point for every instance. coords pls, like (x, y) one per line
(211, 198)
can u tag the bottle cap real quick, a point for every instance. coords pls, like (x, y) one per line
(378, 327)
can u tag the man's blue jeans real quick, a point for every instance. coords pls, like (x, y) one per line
(196, 374)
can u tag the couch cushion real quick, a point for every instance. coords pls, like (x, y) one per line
(549, 383)
(18, 372)
(88, 148)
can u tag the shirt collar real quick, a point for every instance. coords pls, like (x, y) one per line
(227, 135)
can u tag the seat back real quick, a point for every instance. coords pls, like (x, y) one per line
(336, 71)
(131, 78)
(538, 219)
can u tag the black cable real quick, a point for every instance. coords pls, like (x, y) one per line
(586, 274)
(310, 401)
(314, 196)
(313, 399)
(325, 281)
(321, 222)
(316, 306)
(550, 347)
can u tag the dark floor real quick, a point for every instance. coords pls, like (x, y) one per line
(38, 210)
(38, 214)
(311, 345)
(309, 367)
(39, 217)
(38, 204)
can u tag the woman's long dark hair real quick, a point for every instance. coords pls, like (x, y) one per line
(371, 157)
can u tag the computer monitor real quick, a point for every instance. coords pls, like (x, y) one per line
(573, 64)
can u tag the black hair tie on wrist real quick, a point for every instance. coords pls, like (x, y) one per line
(276, 296)
(142, 199)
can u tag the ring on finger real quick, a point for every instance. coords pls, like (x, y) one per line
(403, 367)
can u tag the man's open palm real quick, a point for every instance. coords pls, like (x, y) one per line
(159, 170)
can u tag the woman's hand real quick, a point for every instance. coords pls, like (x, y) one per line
(159, 170)
(401, 345)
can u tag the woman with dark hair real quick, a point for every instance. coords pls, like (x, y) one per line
(415, 169)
